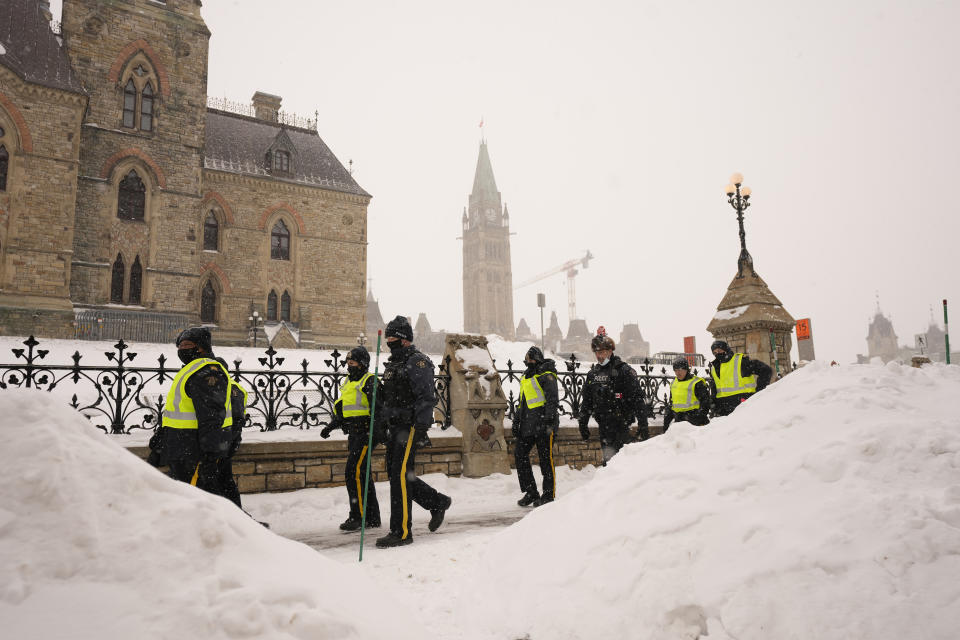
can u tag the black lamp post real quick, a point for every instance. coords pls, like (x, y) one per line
(739, 198)
(255, 321)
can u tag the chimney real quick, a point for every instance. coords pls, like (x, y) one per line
(45, 10)
(266, 106)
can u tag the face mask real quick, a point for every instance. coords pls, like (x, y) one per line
(604, 361)
(188, 355)
(355, 372)
(724, 357)
(395, 346)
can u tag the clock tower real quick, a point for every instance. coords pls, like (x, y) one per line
(487, 276)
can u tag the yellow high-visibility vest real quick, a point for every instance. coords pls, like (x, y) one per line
(532, 392)
(682, 396)
(179, 412)
(355, 402)
(730, 382)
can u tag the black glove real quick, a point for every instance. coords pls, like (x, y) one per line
(325, 432)
(667, 419)
(515, 429)
(554, 423)
(233, 447)
(420, 437)
(584, 429)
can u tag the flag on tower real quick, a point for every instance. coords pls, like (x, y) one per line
(481, 122)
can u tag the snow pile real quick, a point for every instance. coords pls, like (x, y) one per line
(828, 506)
(96, 544)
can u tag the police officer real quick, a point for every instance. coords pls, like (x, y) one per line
(352, 414)
(735, 378)
(226, 484)
(409, 399)
(536, 423)
(612, 394)
(689, 397)
(197, 417)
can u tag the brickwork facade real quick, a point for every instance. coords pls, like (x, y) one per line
(139, 131)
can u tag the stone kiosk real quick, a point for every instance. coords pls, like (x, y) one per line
(478, 405)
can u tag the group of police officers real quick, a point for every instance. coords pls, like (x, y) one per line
(204, 413)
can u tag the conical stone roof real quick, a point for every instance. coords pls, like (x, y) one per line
(749, 304)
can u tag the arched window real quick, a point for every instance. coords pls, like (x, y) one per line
(4, 165)
(208, 304)
(285, 307)
(131, 197)
(211, 232)
(146, 108)
(116, 281)
(280, 242)
(129, 104)
(272, 307)
(136, 282)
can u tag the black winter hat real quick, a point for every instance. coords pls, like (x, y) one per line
(534, 354)
(199, 336)
(361, 355)
(399, 327)
(681, 363)
(720, 344)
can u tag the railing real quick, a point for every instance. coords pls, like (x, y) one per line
(121, 398)
(119, 324)
(247, 109)
(655, 386)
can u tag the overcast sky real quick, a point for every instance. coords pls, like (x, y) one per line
(614, 126)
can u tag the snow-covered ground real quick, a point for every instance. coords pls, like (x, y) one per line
(826, 507)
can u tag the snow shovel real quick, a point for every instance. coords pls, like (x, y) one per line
(366, 480)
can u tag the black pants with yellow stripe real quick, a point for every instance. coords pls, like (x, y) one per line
(521, 454)
(355, 473)
(405, 487)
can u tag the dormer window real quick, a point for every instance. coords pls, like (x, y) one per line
(281, 161)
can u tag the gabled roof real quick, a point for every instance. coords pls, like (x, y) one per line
(749, 301)
(29, 48)
(238, 144)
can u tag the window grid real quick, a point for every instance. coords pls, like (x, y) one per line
(131, 197)
(280, 242)
(208, 304)
(272, 307)
(285, 307)
(211, 233)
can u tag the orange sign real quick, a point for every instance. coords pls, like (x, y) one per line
(803, 329)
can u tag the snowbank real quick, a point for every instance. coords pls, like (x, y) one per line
(96, 544)
(826, 507)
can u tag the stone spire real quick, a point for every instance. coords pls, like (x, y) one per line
(484, 185)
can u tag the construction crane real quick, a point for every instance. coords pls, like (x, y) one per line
(570, 268)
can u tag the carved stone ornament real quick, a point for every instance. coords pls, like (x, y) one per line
(485, 429)
(93, 25)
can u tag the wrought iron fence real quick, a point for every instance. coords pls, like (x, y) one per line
(122, 398)
(655, 386)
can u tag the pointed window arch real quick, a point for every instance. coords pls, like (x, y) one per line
(146, 108)
(116, 280)
(272, 306)
(211, 232)
(131, 197)
(136, 282)
(285, 307)
(129, 104)
(208, 304)
(280, 242)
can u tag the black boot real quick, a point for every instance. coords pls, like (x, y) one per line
(393, 540)
(350, 524)
(528, 499)
(436, 515)
(542, 501)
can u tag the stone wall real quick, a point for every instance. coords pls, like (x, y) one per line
(286, 466)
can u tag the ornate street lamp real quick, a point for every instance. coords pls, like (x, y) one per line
(362, 339)
(739, 198)
(255, 321)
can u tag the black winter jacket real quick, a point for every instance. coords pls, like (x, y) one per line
(529, 423)
(408, 392)
(613, 396)
(698, 417)
(725, 406)
(361, 424)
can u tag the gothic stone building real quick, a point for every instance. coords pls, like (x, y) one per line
(121, 190)
(487, 276)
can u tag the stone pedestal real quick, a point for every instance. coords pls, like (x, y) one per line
(746, 317)
(477, 405)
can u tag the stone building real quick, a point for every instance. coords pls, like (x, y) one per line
(123, 190)
(523, 332)
(487, 275)
(631, 345)
(553, 334)
(883, 343)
